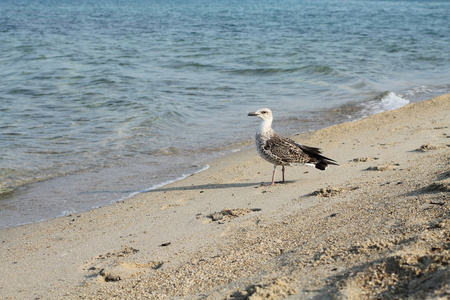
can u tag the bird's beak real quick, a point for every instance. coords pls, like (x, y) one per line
(252, 114)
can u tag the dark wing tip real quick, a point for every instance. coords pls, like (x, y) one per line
(323, 164)
(316, 153)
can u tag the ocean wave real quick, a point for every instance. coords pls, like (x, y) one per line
(309, 69)
(263, 71)
(178, 64)
(347, 112)
(386, 101)
(424, 92)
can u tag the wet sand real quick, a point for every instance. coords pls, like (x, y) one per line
(377, 225)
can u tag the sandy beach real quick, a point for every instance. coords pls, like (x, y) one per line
(376, 226)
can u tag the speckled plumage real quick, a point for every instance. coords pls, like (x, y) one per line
(282, 151)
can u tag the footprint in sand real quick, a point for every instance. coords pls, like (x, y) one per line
(331, 191)
(228, 214)
(179, 203)
(110, 268)
(441, 186)
(429, 147)
(382, 168)
(276, 289)
(363, 159)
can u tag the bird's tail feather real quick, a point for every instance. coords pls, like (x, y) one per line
(322, 161)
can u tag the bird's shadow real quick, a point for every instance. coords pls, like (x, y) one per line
(216, 186)
(212, 186)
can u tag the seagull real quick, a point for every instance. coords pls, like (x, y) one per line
(282, 151)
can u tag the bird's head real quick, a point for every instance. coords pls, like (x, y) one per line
(262, 113)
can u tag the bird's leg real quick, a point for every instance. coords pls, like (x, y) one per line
(282, 171)
(273, 174)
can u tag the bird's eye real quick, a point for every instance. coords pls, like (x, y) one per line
(264, 112)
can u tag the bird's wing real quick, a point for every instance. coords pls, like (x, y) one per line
(287, 151)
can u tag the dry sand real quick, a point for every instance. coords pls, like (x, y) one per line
(377, 226)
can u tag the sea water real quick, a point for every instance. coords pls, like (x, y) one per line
(100, 100)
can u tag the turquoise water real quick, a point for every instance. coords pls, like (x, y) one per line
(102, 99)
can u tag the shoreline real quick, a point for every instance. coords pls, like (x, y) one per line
(72, 188)
(220, 234)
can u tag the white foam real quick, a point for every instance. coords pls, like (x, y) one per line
(425, 92)
(417, 91)
(389, 101)
(384, 102)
